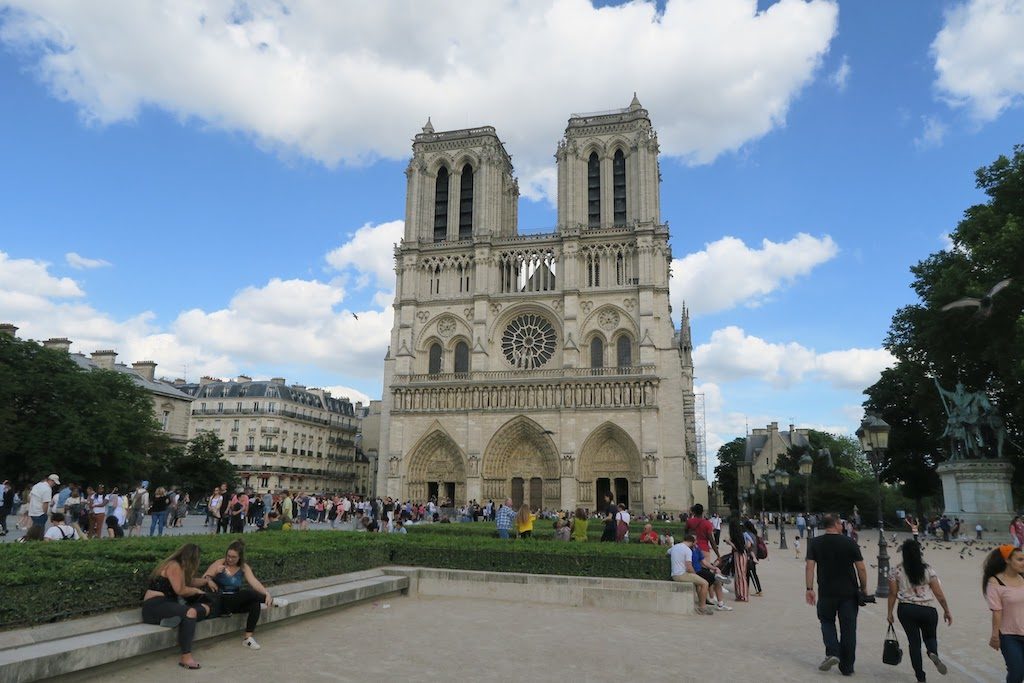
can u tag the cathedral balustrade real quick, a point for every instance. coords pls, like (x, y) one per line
(637, 393)
(520, 375)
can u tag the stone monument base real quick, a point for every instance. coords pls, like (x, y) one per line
(978, 491)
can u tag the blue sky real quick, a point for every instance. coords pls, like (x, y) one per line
(218, 191)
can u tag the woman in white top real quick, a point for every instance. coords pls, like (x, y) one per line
(916, 586)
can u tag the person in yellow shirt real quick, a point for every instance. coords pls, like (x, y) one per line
(579, 525)
(524, 521)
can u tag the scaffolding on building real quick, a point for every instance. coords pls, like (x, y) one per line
(699, 423)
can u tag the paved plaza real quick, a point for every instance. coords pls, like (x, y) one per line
(773, 638)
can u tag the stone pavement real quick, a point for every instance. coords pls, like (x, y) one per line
(773, 638)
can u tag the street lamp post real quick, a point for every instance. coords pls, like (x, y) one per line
(779, 482)
(806, 465)
(659, 501)
(874, 440)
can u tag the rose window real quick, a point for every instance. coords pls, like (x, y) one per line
(528, 342)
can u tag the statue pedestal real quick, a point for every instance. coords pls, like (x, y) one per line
(978, 491)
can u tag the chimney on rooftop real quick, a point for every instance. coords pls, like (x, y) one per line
(179, 382)
(145, 368)
(58, 344)
(278, 380)
(206, 379)
(104, 358)
(243, 378)
(9, 329)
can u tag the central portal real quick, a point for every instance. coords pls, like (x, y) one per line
(521, 463)
(618, 487)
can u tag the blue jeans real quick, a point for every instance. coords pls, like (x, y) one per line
(800, 528)
(1012, 648)
(502, 533)
(844, 645)
(159, 520)
(39, 521)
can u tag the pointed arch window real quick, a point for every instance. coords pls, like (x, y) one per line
(466, 204)
(596, 352)
(619, 187)
(462, 357)
(441, 206)
(593, 191)
(434, 360)
(624, 351)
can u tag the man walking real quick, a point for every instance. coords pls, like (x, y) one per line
(504, 518)
(6, 503)
(801, 525)
(716, 524)
(39, 500)
(842, 578)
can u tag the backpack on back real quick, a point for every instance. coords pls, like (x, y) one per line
(762, 549)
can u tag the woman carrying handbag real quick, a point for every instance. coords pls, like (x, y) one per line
(916, 587)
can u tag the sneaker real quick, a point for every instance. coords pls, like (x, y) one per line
(939, 665)
(706, 611)
(724, 580)
(828, 663)
(722, 607)
(251, 643)
(710, 603)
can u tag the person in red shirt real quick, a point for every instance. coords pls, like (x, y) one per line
(649, 535)
(702, 529)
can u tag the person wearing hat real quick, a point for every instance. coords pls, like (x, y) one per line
(39, 500)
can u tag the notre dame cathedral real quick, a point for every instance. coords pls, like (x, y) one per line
(541, 367)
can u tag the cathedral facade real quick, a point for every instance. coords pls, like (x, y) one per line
(541, 367)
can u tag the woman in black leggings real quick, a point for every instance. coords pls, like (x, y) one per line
(750, 542)
(228, 573)
(175, 578)
(916, 586)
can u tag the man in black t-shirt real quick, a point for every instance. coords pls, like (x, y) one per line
(610, 510)
(841, 579)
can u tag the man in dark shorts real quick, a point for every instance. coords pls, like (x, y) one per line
(842, 579)
(610, 510)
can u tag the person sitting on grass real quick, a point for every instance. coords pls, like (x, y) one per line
(275, 523)
(681, 556)
(60, 531)
(174, 579)
(524, 521)
(579, 525)
(398, 527)
(228, 573)
(649, 535)
(561, 531)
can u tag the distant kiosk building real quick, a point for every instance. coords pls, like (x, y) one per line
(541, 367)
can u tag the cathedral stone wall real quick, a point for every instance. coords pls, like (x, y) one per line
(545, 368)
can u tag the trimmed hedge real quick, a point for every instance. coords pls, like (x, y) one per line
(48, 582)
(543, 529)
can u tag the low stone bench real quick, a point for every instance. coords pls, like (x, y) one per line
(54, 649)
(665, 597)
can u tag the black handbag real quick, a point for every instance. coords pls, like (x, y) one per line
(891, 652)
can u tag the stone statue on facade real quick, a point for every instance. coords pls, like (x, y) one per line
(974, 427)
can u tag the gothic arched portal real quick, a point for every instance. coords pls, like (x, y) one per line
(521, 462)
(437, 469)
(610, 462)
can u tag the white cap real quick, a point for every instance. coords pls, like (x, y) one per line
(55, 478)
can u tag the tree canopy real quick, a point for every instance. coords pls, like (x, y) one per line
(983, 347)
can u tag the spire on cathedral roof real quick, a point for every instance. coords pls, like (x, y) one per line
(428, 127)
(635, 104)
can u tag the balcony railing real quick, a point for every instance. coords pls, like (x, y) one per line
(249, 449)
(232, 448)
(268, 449)
(270, 430)
(519, 375)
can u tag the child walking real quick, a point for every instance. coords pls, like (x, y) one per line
(796, 547)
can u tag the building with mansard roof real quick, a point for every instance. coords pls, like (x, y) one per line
(541, 367)
(282, 436)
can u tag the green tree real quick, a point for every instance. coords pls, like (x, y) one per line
(197, 468)
(88, 426)
(729, 457)
(982, 348)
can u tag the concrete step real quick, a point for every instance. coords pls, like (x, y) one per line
(56, 649)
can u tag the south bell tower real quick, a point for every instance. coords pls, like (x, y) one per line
(542, 367)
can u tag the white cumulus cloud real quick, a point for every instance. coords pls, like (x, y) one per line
(31, 278)
(728, 273)
(979, 56)
(79, 262)
(350, 82)
(370, 251)
(732, 354)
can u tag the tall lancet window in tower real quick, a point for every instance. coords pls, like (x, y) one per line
(596, 353)
(594, 191)
(434, 359)
(466, 204)
(441, 206)
(619, 187)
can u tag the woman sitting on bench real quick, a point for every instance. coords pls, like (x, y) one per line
(175, 578)
(228, 573)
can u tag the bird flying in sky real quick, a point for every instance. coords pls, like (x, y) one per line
(984, 304)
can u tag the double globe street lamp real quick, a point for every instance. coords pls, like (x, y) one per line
(778, 481)
(874, 441)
